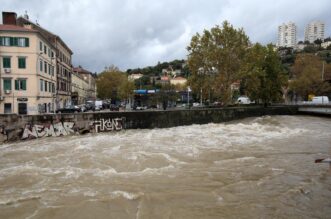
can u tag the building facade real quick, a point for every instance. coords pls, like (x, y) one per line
(287, 35)
(63, 63)
(314, 30)
(90, 79)
(80, 89)
(27, 72)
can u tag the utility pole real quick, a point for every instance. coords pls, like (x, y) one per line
(201, 97)
(323, 80)
(323, 71)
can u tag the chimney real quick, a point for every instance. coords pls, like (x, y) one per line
(9, 18)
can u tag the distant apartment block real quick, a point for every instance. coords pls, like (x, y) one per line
(287, 35)
(314, 30)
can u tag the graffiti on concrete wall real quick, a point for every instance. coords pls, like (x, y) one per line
(39, 131)
(104, 125)
(67, 128)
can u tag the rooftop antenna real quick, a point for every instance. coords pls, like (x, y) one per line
(37, 20)
(26, 16)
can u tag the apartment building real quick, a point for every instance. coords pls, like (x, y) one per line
(27, 69)
(90, 78)
(80, 89)
(287, 35)
(314, 30)
(63, 62)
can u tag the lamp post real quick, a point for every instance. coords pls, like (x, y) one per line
(188, 96)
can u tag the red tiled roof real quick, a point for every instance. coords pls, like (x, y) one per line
(6, 27)
(81, 70)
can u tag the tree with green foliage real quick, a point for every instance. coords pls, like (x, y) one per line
(309, 78)
(166, 94)
(263, 77)
(318, 41)
(217, 53)
(113, 84)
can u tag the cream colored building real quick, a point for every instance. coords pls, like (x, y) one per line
(80, 89)
(90, 80)
(63, 63)
(287, 35)
(326, 44)
(28, 74)
(134, 77)
(314, 30)
(178, 81)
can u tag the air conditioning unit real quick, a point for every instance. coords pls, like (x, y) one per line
(2, 98)
(7, 70)
(7, 91)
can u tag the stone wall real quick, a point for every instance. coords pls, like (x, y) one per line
(14, 127)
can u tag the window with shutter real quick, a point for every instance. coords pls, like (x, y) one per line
(21, 62)
(7, 84)
(6, 62)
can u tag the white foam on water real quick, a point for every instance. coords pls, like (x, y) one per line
(126, 195)
(234, 160)
(90, 193)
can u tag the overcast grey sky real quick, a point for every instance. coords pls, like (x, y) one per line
(139, 33)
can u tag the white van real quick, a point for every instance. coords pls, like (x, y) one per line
(243, 100)
(98, 105)
(320, 100)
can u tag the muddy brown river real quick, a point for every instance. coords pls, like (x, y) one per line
(252, 168)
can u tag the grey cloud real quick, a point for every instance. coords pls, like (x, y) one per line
(135, 33)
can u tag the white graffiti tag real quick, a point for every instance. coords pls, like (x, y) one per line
(104, 125)
(39, 131)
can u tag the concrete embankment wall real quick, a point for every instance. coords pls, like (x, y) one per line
(14, 127)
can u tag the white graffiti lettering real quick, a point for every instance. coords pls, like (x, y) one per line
(39, 131)
(27, 132)
(50, 131)
(108, 125)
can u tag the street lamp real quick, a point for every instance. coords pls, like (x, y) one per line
(188, 96)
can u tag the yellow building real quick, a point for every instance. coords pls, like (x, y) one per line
(27, 69)
(90, 80)
(80, 89)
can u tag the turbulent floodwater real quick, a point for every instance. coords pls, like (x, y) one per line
(252, 168)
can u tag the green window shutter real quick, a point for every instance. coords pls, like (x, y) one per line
(7, 84)
(27, 43)
(1, 38)
(17, 84)
(21, 62)
(6, 62)
(41, 85)
(11, 41)
(23, 84)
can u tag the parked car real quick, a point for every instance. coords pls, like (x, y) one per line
(243, 100)
(69, 109)
(90, 105)
(83, 108)
(114, 107)
(106, 104)
(141, 107)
